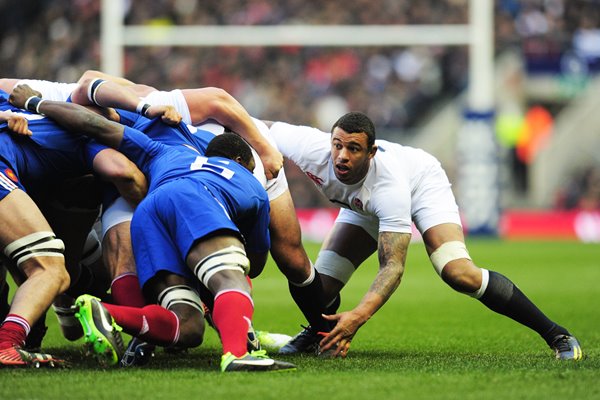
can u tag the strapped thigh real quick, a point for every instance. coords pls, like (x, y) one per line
(38, 244)
(230, 258)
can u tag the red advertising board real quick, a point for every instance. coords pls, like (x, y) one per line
(514, 224)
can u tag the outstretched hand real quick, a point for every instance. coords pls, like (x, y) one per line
(20, 94)
(168, 114)
(340, 337)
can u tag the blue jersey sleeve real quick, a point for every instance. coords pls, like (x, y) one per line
(139, 148)
(91, 150)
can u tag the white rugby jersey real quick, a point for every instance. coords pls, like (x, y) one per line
(395, 174)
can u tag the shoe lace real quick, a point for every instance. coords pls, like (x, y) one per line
(562, 344)
(259, 354)
(310, 330)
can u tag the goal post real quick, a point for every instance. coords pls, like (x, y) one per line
(478, 186)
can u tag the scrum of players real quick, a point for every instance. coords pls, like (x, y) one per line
(112, 200)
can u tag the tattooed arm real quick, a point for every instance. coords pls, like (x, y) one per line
(392, 251)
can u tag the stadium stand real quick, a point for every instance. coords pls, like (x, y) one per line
(408, 92)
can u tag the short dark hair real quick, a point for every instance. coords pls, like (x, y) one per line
(357, 122)
(229, 145)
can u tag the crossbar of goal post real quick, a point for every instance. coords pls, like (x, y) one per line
(478, 191)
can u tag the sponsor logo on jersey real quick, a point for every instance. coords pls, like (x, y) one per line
(318, 181)
(358, 203)
(11, 175)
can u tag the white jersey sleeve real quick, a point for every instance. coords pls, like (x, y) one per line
(55, 91)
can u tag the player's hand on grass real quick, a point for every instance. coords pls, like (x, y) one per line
(168, 114)
(340, 337)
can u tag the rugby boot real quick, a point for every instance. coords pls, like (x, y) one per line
(15, 356)
(306, 341)
(256, 361)
(137, 353)
(101, 334)
(566, 347)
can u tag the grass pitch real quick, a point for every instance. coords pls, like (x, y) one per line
(427, 342)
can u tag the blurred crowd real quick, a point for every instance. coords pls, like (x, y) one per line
(582, 192)
(397, 87)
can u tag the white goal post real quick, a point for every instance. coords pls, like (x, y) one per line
(477, 34)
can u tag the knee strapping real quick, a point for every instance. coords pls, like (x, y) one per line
(230, 258)
(38, 244)
(180, 294)
(332, 264)
(447, 252)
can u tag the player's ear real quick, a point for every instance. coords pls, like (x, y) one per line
(373, 151)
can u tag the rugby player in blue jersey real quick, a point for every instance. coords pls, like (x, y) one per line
(210, 103)
(204, 221)
(34, 254)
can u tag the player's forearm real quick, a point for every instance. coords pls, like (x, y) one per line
(392, 251)
(78, 120)
(225, 109)
(385, 284)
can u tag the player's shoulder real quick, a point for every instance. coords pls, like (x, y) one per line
(302, 144)
(280, 127)
(393, 150)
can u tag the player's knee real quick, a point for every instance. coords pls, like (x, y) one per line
(337, 267)
(462, 276)
(53, 273)
(186, 304)
(453, 263)
(191, 332)
(63, 278)
(89, 75)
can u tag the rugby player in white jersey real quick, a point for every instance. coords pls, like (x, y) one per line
(383, 188)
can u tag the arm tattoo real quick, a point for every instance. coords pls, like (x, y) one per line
(392, 255)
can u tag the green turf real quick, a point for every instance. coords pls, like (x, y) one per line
(426, 343)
